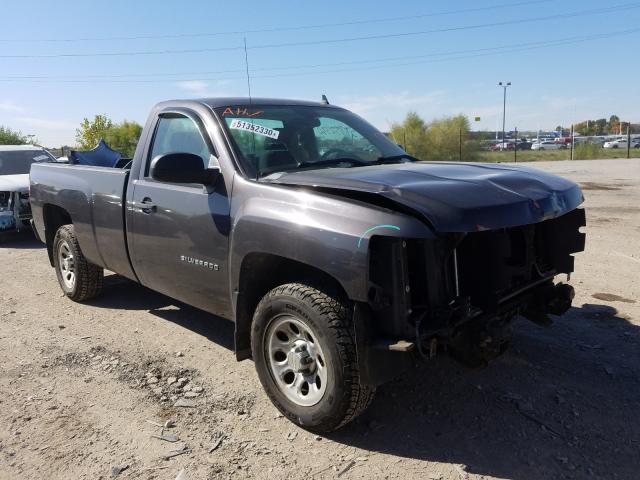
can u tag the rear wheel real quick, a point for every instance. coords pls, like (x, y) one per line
(304, 350)
(79, 279)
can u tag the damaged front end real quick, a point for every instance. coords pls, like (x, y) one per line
(15, 211)
(460, 292)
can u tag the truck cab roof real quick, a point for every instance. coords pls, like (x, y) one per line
(217, 102)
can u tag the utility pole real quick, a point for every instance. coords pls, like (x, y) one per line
(572, 141)
(460, 134)
(628, 139)
(504, 86)
(515, 146)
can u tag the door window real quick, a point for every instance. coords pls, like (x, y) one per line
(177, 133)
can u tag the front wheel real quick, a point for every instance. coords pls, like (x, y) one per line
(303, 347)
(79, 279)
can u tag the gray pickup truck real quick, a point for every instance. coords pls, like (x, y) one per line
(342, 260)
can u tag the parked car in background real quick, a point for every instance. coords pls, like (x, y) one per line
(621, 143)
(487, 145)
(564, 141)
(597, 140)
(524, 145)
(508, 145)
(15, 163)
(548, 145)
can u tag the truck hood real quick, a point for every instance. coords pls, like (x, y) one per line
(453, 197)
(14, 183)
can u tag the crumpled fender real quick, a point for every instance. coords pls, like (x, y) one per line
(326, 232)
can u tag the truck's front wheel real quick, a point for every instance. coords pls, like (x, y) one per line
(303, 347)
(79, 279)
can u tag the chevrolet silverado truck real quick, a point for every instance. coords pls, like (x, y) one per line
(342, 260)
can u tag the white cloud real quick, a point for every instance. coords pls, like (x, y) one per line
(201, 88)
(46, 124)
(404, 100)
(562, 103)
(10, 107)
(384, 109)
(48, 131)
(197, 87)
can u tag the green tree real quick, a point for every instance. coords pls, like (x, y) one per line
(600, 126)
(446, 138)
(122, 137)
(11, 137)
(411, 134)
(438, 140)
(91, 132)
(584, 128)
(614, 124)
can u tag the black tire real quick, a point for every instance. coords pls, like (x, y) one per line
(88, 278)
(330, 320)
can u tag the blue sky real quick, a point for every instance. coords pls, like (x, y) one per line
(560, 67)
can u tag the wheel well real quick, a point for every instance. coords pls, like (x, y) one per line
(54, 217)
(260, 273)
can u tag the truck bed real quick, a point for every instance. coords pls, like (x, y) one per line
(95, 198)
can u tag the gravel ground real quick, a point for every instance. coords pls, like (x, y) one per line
(85, 390)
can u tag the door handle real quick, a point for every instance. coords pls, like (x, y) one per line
(147, 206)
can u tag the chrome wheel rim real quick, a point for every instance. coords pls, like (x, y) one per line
(296, 360)
(66, 264)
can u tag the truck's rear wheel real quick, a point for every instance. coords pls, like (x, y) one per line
(79, 279)
(305, 355)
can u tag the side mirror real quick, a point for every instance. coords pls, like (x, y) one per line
(182, 168)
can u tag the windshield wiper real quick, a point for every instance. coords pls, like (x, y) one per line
(402, 158)
(334, 161)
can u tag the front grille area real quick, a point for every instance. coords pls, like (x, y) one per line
(414, 280)
(493, 264)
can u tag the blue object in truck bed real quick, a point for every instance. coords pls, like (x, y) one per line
(101, 156)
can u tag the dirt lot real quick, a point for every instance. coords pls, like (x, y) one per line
(79, 383)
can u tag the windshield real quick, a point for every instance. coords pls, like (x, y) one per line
(271, 139)
(17, 162)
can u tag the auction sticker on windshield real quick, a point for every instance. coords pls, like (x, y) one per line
(238, 124)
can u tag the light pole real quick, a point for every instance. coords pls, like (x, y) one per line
(504, 86)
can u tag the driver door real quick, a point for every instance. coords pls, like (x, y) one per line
(179, 233)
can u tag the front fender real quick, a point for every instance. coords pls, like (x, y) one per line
(327, 232)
